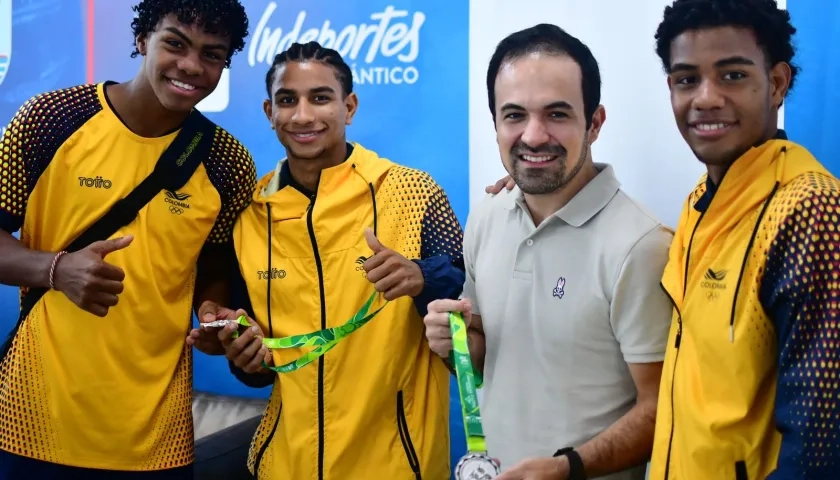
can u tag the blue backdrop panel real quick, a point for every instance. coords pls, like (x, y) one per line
(812, 114)
(48, 49)
(410, 62)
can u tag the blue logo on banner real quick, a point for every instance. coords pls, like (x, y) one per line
(382, 48)
(5, 37)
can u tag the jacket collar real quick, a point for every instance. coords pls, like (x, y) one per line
(703, 202)
(590, 200)
(283, 175)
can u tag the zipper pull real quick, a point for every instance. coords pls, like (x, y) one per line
(731, 333)
(677, 340)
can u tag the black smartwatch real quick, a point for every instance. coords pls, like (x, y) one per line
(576, 470)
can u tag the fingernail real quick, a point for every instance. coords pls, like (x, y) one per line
(255, 329)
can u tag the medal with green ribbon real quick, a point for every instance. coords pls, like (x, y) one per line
(324, 339)
(476, 464)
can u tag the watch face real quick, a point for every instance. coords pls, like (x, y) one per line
(476, 466)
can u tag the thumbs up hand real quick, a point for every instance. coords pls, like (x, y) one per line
(391, 273)
(87, 280)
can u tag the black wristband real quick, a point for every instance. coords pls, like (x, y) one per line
(576, 470)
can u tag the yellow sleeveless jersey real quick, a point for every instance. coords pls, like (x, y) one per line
(749, 384)
(115, 392)
(377, 405)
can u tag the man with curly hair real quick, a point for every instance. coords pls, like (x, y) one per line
(749, 386)
(96, 379)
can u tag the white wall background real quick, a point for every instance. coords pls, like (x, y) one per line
(639, 138)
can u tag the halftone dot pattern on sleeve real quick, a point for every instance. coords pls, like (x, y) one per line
(233, 173)
(415, 210)
(442, 234)
(39, 128)
(803, 268)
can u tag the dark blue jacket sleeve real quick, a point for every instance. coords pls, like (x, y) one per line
(441, 252)
(239, 298)
(801, 293)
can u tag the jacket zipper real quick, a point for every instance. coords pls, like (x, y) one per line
(270, 437)
(320, 269)
(741, 470)
(746, 257)
(405, 437)
(678, 339)
(673, 376)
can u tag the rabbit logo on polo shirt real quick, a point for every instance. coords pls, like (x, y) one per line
(559, 289)
(177, 202)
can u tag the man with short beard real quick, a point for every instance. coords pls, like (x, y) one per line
(567, 322)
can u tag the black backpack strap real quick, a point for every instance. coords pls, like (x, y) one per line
(173, 170)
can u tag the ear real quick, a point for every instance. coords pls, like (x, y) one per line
(668, 82)
(598, 119)
(779, 83)
(268, 112)
(142, 41)
(351, 103)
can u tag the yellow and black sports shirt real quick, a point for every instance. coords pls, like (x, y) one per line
(114, 392)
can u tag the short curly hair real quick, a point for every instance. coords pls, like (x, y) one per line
(771, 25)
(222, 17)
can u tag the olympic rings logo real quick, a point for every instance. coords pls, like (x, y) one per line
(176, 210)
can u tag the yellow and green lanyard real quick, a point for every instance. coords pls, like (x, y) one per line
(324, 339)
(468, 382)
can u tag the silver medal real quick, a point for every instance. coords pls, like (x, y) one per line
(476, 466)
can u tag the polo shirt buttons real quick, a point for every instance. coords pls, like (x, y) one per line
(529, 242)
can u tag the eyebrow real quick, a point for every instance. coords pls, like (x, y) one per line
(186, 39)
(724, 62)
(558, 105)
(289, 91)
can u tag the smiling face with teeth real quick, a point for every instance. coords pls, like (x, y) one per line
(724, 94)
(310, 111)
(541, 127)
(182, 63)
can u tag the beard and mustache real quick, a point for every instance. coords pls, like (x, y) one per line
(544, 180)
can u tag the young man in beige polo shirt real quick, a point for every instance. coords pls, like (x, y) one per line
(568, 323)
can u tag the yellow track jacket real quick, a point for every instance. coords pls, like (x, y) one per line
(377, 405)
(750, 383)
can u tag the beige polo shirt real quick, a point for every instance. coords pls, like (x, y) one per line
(565, 306)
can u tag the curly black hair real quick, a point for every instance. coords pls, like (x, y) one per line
(312, 51)
(771, 25)
(222, 17)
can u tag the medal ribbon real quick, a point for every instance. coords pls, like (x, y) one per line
(468, 381)
(324, 339)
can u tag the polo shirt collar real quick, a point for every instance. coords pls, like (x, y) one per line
(590, 200)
